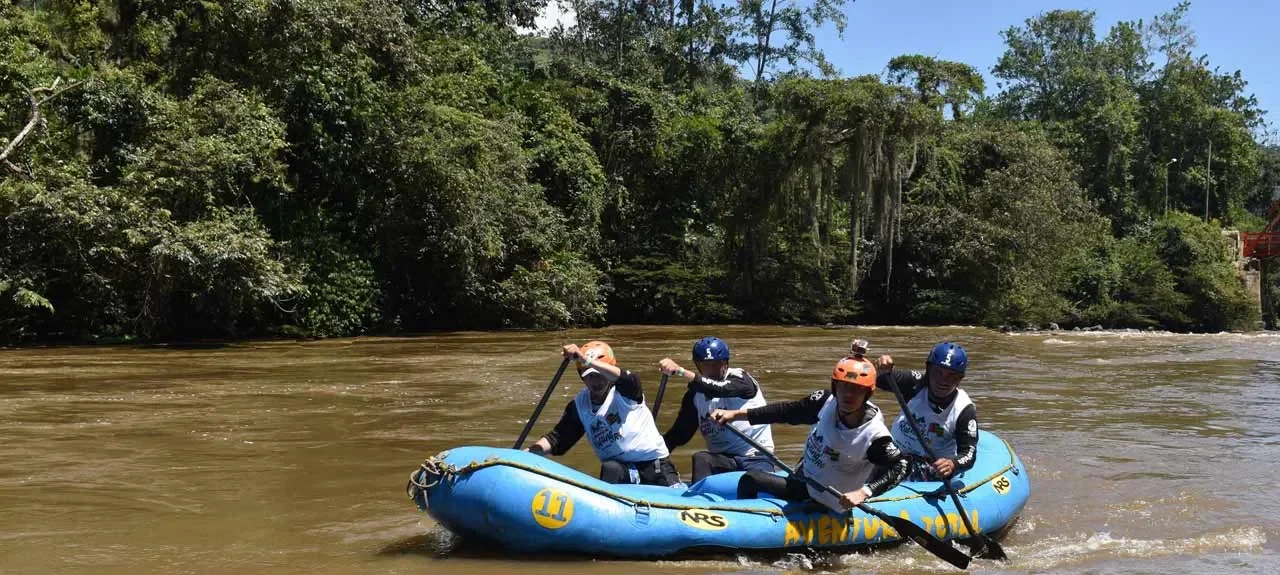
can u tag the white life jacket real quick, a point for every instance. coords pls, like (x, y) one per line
(939, 429)
(837, 456)
(722, 440)
(621, 429)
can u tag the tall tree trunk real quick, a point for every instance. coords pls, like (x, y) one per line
(692, 66)
(763, 42)
(813, 206)
(621, 20)
(861, 178)
(895, 228)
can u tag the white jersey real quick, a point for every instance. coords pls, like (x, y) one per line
(721, 440)
(939, 429)
(620, 429)
(837, 456)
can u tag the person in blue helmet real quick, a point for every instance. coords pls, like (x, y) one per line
(714, 385)
(946, 416)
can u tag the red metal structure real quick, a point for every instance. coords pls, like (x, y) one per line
(1266, 243)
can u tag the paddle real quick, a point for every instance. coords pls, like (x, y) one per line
(904, 527)
(989, 549)
(662, 388)
(538, 410)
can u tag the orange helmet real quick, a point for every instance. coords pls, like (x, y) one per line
(859, 372)
(595, 350)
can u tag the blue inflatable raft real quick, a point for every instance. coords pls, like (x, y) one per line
(528, 503)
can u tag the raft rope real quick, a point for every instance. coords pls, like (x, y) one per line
(435, 467)
(941, 491)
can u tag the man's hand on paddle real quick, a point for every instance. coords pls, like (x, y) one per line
(884, 363)
(944, 467)
(723, 416)
(571, 351)
(539, 447)
(670, 367)
(853, 498)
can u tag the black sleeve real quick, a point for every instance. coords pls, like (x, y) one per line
(736, 384)
(804, 411)
(566, 432)
(891, 465)
(685, 425)
(966, 438)
(909, 381)
(628, 385)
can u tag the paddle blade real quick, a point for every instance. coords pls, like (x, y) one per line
(990, 549)
(925, 539)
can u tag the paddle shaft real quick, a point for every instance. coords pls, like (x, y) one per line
(790, 471)
(995, 551)
(903, 526)
(538, 410)
(662, 388)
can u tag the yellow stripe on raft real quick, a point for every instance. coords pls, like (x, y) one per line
(828, 530)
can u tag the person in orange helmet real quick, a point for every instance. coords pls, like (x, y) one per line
(849, 446)
(612, 413)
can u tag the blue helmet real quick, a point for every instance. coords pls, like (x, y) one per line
(710, 349)
(950, 356)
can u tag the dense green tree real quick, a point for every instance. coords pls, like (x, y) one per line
(334, 167)
(1135, 128)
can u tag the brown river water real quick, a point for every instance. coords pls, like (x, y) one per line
(1148, 453)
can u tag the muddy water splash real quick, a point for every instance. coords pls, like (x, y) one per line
(1149, 453)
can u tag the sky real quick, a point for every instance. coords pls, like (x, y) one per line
(1235, 34)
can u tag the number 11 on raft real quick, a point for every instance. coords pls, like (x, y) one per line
(552, 509)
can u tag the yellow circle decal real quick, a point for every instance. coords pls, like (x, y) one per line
(1001, 485)
(704, 519)
(552, 509)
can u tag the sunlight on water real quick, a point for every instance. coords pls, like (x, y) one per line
(1057, 551)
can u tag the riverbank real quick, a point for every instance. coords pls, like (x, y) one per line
(218, 343)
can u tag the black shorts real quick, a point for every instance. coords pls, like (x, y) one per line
(653, 472)
(706, 464)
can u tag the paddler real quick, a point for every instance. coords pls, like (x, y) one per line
(612, 413)
(849, 447)
(945, 415)
(714, 385)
